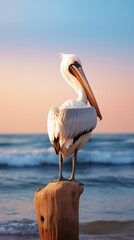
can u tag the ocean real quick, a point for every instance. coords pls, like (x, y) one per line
(105, 166)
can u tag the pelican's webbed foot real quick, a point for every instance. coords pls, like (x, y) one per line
(61, 178)
(73, 179)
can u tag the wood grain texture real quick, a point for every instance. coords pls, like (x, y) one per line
(57, 210)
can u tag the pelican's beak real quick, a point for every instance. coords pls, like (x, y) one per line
(77, 71)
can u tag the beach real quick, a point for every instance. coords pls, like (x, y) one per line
(105, 166)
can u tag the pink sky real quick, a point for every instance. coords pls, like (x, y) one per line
(100, 33)
(31, 83)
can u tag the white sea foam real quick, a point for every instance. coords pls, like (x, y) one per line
(28, 157)
(23, 227)
(36, 150)
(131, 140)
(36, 157)
(106, 157)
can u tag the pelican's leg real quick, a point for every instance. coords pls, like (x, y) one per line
(74, 159)
(61, 178)
(60, 166)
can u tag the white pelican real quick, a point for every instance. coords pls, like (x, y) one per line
(71, 124)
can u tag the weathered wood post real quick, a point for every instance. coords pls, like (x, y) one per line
(57, 210)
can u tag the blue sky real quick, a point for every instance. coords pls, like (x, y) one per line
(32, 33)
(93, 22)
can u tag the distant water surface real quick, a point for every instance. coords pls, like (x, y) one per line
(105, 166)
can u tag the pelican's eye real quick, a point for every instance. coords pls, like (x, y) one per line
(76, 64)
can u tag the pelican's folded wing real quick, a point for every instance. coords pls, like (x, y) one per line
(52, 121)
(75, 121)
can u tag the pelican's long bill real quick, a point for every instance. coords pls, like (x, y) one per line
(77, 71)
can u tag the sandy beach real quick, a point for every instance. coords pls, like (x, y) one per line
(92, 231)
(100, 237)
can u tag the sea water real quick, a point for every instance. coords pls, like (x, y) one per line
(105, 166)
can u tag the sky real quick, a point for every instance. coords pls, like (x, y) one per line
(33, 33)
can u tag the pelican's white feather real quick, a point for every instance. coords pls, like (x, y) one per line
(70, 123)
(52, 123)
(73, 104)
(73, 118)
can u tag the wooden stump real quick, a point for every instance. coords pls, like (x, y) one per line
(57, 210)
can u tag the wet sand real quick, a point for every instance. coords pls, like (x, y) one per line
(98, 230)
(98, 237)
(14, 237)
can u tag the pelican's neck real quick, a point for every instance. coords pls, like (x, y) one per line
(82, 97)
(76, 85)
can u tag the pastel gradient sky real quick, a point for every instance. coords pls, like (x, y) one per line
(32, 33)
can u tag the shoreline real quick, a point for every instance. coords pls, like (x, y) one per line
(99, 230)
(81, 237)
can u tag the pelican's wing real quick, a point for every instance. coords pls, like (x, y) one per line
(73, 122)
(52, 121)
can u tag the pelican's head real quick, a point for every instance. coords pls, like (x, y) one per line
(71, 67)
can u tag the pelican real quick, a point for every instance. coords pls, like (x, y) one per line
(71, 124)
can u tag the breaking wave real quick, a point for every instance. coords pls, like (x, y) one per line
(27, 227)
(36, 150)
